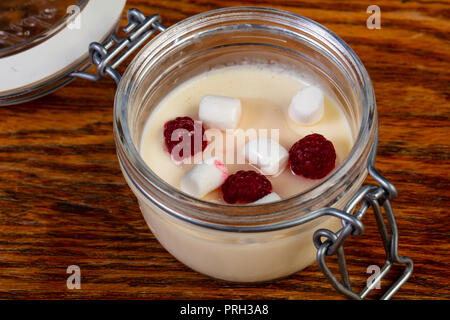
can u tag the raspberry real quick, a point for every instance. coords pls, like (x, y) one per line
(182, 123)
(312, 157)
(246, 187)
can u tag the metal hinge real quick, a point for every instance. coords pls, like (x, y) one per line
(370, 196)
(108, 56)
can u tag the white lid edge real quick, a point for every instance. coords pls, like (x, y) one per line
(61, 50)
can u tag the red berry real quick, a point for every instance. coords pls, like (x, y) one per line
(245, 186)
(312, 157)
(189, 127)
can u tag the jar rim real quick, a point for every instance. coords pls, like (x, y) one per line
(276, 215)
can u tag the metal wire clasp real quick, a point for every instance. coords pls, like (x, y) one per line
(370, 196)
(108, 56)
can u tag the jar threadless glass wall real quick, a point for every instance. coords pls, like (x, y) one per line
(242, 243)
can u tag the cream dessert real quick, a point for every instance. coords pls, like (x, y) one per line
(270, 98)
(235, 102)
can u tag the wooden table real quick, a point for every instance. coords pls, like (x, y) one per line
(64, 201)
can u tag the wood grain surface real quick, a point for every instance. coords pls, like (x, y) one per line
(64, 201)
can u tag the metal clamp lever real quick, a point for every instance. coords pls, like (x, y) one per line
(139, 29)
(377, 197)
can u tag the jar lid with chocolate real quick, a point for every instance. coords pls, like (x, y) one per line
(42, 42)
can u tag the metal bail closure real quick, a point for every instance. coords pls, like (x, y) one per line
(108, 56)
(370, 196)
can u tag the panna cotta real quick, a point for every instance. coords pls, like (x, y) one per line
(236, 102)
(275, 126)
(262, 95)
(265, 95)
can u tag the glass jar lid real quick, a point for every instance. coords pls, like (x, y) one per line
(43, 41)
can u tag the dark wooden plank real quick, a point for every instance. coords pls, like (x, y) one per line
(63, 199)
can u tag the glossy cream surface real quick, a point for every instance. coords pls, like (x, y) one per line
(265, 94)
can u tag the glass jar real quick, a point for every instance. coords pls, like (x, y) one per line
(234, 242)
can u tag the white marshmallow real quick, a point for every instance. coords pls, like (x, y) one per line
(271, 197)
(307, 106)
(204, 177)
(220, 112)
(269, 156)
